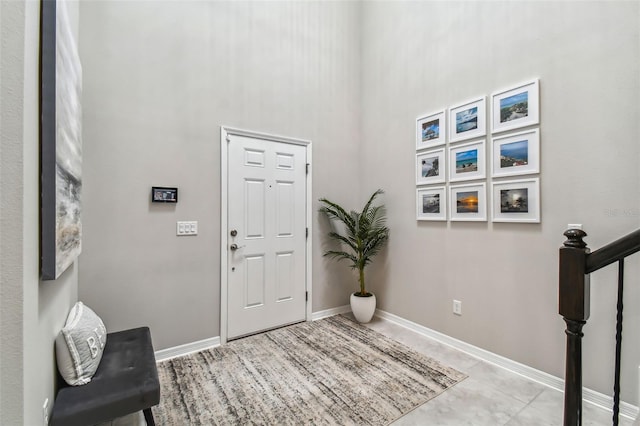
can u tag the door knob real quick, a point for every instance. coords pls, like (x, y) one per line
(235, 247)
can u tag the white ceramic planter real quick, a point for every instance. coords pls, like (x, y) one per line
(363, 307)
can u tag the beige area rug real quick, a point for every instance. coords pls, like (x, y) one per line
(327, 372)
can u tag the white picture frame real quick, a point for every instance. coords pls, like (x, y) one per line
(467, 161)
(468, 202)
(431, 130)
(516, 107)
(431, 203)
(430, 167)
(516, 154)
(516, 201)
(468, 120)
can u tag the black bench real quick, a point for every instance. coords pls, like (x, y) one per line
(125, 382)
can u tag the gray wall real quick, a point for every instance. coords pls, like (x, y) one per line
(160, 78)
(12, 17)
(31, 311)
(419, 57)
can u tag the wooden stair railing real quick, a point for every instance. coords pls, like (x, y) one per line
(576, 263)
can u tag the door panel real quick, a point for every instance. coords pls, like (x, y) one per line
(284, 276)
(254, 281)
(254, 158)
(285, 209)
(254, 211)
(266, 199)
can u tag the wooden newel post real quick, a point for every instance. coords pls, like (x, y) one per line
(573, 301)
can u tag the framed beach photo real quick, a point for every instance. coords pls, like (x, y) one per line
(431, 203)
(468, 202)
(516, 154)
(515, 107)
(516, 201)
(430, 130)
(468, 120)
(467, 161)
(430, 167)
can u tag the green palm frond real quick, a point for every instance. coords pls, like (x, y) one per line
(365, 233)
(373, 197)
(346, 240)
(334, 211)
(342, 255)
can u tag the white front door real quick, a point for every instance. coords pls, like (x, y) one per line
(265, 235)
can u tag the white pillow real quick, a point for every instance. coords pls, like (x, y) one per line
(80, 344)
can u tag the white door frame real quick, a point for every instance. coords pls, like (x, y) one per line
(225, 132)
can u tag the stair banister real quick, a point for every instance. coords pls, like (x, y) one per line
(576, 263)
(613, 252)
(573, 301)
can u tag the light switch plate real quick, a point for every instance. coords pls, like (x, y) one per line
(187, 228)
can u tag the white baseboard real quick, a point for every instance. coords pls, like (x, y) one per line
(186, 349)
(588, 395)
(330, 312)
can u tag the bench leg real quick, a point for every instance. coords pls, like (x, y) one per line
(148, 417)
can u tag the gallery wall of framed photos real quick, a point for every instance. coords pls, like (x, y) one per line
(454, 181)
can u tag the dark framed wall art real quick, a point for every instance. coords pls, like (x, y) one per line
(60, 142)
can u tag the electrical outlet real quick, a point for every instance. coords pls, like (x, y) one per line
(45, 412)
(457, 307)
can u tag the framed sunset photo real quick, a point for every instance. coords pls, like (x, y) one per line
(468, 202)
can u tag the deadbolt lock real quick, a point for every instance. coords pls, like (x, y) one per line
(234, 232)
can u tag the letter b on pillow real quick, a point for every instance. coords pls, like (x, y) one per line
(80, 344)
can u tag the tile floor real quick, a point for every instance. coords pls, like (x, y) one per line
(490, 396)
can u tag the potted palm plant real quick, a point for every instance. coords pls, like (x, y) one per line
(365, 233)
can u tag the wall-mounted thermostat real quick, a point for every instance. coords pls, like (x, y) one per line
(161, 194)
